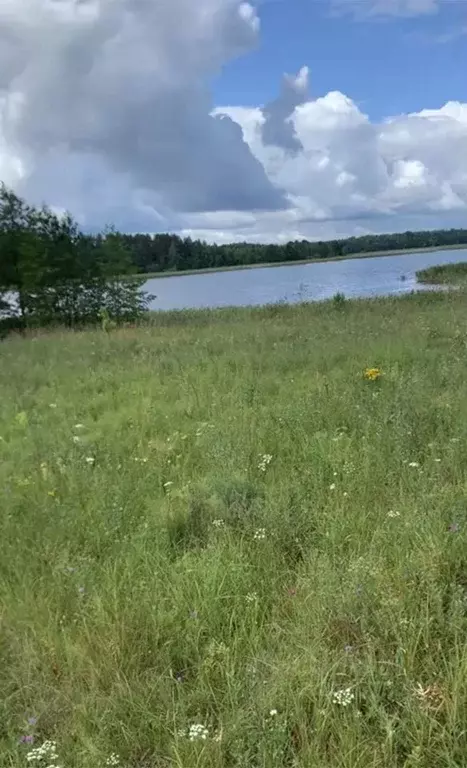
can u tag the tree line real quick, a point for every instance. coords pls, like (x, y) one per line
(164, 252)
(52, 273)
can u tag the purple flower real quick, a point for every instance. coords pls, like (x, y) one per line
(32, 721)
(454, 528)
(29, 739)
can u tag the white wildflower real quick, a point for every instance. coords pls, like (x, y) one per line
(197, 732)
(90, 460)
(46, 753)
(52, 405)
(273, 712)
(218, 523)
(76, 439)
(79, 426)
(332, 487)
(168, 484)
(260, 534)
(414, 464)
(343, 697)
(113, 760)
(393, 513)
(264, 461)
(251, 597)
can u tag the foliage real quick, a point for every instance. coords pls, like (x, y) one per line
(450, 274)
(221, 546)
(55, 274)
(164, 252)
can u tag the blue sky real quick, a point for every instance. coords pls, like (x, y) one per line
(387, 65)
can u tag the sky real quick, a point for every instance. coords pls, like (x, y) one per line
(265, 121)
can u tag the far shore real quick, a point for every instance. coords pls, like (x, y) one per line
(267, 265)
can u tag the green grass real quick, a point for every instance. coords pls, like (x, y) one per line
(128, 614)
(235, 267)
(450, 274)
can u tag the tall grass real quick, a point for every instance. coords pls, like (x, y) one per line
(452, 274)
(222, 546)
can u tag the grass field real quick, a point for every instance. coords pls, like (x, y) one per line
(450, 274)
(222, 546)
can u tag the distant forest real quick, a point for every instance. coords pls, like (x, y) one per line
(164, 253)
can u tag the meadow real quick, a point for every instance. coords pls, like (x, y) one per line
(237, 539)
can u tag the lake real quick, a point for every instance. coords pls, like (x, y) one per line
(357, 278)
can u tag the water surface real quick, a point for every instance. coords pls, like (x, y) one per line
(355, 278)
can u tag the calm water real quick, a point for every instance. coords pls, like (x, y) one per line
(378, 276)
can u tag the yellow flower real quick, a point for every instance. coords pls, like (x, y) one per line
(372, 374)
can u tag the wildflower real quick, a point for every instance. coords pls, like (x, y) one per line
(81, 590)
(292, 591)
(79, 426)
(345, 494)
(260, 534)
(28, 739)
(265, 460)
(218, 523)
(90, 460)
(32, 721)
(438, 461)
(52, 493)
(193, 614)
(251, 597)
(393, 513)
(168, 484)
(372, 374)
(344, 697)
(76, 439)
(113, 760)
(273, 712)
(454, 528)
(332, 487)
(47, 752)
(52, 405)
(414, 464)
(197, 732)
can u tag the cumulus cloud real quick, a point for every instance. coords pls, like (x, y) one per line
(407, 171)
(124, 81)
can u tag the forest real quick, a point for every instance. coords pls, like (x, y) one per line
(170, 253)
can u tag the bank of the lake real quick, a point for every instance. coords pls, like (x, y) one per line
(444, 274)
(221, 525)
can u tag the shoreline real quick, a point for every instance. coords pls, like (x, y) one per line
(268, 265)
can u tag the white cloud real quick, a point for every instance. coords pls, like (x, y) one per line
(104, 110)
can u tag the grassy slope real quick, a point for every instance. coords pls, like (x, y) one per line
(450, 274)
(128, 615)
(365, 255)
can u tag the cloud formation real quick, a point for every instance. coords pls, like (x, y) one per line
(105, 110)
(124, 81)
